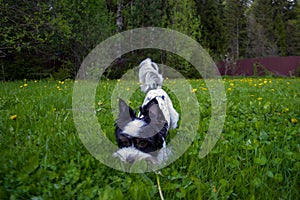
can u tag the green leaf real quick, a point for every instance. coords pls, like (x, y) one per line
(260, 161)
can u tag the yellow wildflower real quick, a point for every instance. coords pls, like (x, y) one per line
(294, 120)
(13, 117)
(203, 88)
(214, 189)
(229, 89)
(259, 98)
(25, 84)
(194, 90)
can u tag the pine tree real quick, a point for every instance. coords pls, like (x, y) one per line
(235, 26)
(280, 35)
(293, 30)
(212, 28)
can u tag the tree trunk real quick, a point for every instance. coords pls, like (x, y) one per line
(119, 22)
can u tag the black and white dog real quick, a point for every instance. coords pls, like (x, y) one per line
(144, 136)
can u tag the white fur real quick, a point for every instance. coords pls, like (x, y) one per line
(133, 127)
(149, 75)
(165, 105)
(131, 155)
(151, 83)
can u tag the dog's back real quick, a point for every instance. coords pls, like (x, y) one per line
(151, 83)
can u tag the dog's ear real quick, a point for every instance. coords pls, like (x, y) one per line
(126, 114)
(153, 111)
(154, 117)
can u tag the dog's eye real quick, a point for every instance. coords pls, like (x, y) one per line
(142, 143)
(125, 142)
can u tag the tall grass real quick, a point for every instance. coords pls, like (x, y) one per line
(257, 156)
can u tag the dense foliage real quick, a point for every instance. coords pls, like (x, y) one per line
(39, 38)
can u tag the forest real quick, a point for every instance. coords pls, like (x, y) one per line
(48, 38)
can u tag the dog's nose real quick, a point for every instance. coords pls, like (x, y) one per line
(130, 159)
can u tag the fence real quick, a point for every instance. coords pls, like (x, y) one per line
(276, 66)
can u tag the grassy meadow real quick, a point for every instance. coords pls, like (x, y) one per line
(256, 157)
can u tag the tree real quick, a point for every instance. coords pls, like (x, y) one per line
(280, 35)
(258, 44)
(235, 27)
(278, 20)
(43, 37)
(182, 16)
(212, 27)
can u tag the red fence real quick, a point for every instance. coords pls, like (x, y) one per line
(278, 66)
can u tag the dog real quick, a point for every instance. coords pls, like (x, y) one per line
(143, 137)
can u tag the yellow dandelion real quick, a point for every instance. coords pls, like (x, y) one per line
(25, 84)
(203, 88)
(99, 103)
(128, 89)
(214, 189)
(294, 120)
(194, 90)
(21, 86)
(231, 84)
(54, 109)
(259, 98)
(229, 89)
(13, 117)
(287, 109)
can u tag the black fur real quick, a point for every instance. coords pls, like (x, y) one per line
(153, 133)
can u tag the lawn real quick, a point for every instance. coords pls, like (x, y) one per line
(256, 157)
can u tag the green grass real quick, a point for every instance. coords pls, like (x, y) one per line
(257, 156)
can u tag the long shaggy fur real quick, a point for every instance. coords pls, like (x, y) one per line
(143, 137)
(149, 76)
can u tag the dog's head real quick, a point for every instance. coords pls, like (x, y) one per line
(140, 137)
